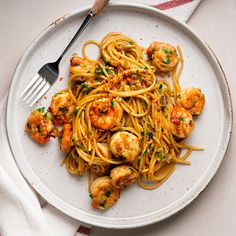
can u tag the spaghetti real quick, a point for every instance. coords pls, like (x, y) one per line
(122, 116)
(124, 77)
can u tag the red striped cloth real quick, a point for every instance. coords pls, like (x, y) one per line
(171, 4)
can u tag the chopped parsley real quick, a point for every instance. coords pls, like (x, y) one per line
(179, 95)
(112, 104)
(165, 50)
(160, 86)
(97, 79)
(160, 155)
(190, 122)
(79, 144)
(63, 110)
(99, 71)
(109, 71)
(145, 152)
(108, 193)
(107, 63)
(163, 107)
(166, 61)
(149, 135)
(41, 109)
(90, 195)
(102, 205)
(181, 119)
(131, 42)
(86, 89)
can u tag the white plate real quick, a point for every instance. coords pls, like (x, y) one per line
(137, 207)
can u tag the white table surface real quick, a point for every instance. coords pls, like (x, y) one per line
(214, 211)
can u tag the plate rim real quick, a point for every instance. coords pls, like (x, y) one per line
(122, 223)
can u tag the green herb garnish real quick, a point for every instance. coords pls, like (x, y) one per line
(99, 71)
(63, 110)
(181, 119)
(108, 193)
(86, 89)
(165, 50)
(112, 104)
(109, 71)
(149, 135)
(107, 63)
(90, 195)
(102, 205)
(163, 107)
(160, 86)
(41, 109)
(166, 61)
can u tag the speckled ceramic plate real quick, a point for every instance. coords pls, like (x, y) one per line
(137, 207)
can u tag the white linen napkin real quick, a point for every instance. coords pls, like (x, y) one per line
(20, 210)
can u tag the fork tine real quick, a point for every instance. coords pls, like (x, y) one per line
(32, 88)
(46, 87)
(35, 92)
(29, 85)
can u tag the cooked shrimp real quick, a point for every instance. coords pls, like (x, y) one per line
(191, 99)
(163, 56)
(125, 146)
(62, 107)
(79, 65)
(38, 126)
(104, 150)
(65, 137)
(123, 176)
(181, 122)
(105, 113)
(103, 193)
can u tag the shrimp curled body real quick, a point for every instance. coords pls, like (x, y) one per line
(191, 99)
(103, 193)
(65, 137)
(105, 113)
(123, 176)
(125, 146)
(62, 107)
(181, 122)
(39, 127)
(163, 56)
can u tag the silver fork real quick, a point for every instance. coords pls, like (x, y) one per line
(48, 73)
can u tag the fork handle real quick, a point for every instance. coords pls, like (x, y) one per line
(95, 10)
(98, 6)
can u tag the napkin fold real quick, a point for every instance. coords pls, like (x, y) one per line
(20, 210)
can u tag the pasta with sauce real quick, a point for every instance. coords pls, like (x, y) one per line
(121, 116)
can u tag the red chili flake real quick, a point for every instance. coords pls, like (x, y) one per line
(45, 97)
